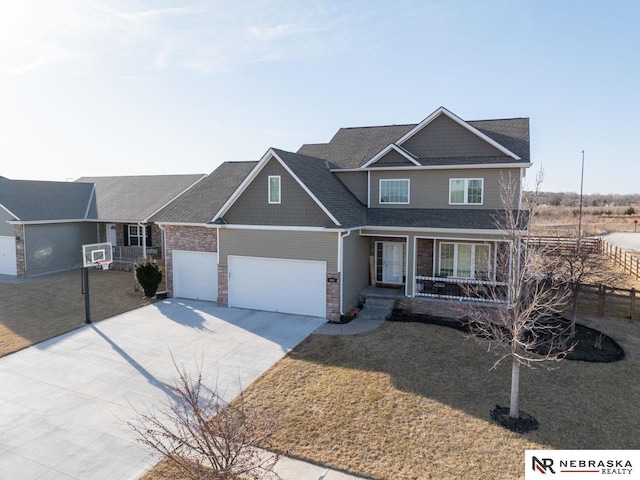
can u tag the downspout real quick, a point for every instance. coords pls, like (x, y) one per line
(340, 266)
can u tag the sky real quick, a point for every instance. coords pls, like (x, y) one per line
(134, 87)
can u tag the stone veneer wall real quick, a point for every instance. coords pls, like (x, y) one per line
(437, 307)
(223, 285)
(333, 298)
(424, 257)
(21, 259)
(195, 239)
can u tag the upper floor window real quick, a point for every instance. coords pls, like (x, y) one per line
(466, 191)
(274, 189)
(394, 191)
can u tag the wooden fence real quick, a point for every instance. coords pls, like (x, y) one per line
(629, 263)
(602, 301)
(566, 244)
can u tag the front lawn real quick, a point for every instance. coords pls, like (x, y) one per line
(46, 307)
(412, 401)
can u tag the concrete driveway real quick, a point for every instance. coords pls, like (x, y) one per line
(63, 403)
(625, 240)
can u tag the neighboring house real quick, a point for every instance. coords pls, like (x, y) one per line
(43, 225)
(405, 206)
(124, 205)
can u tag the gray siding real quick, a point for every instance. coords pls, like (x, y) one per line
(430, 188)
(393, 159)
(6, 230)
(355, 269)
(444, 138)
(296, 207)
(356, 182)
(57, 247)
(296, 245)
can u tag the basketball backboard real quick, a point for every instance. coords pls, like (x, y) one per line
(97, 255)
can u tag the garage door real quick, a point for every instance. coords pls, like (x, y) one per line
(195, 275)
(277, 285)
(8, 256)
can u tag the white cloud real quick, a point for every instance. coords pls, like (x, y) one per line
(115, 35)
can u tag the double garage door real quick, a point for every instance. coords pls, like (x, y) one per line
(8, 256)
(275, 285)
(278, 285)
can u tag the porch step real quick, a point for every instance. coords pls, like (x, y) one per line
(376, 308)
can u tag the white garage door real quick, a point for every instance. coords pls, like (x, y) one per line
(8, 256)
(195, 275)
(276, 285)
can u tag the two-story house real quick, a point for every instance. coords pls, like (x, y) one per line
(411, 207)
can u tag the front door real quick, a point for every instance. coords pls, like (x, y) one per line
(111, 234)
(392, 262)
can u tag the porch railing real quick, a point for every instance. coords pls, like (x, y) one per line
(462, 289)
(132, 254)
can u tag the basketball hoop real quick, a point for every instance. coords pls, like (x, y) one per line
(104, 263)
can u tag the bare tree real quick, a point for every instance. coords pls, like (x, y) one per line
(204, 439)
(580, 264)
(525, 320)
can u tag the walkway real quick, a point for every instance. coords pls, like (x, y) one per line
(64, 402)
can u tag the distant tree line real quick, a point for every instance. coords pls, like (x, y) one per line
(571, 199)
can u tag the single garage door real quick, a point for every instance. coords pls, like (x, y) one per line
(195, 275)
(8, 256)
(277, 285)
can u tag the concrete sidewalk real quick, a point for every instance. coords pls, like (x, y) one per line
(64, 402)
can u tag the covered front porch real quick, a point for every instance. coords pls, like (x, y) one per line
(441, 267)
(130, 242)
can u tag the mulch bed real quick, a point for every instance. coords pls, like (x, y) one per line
(585, 350)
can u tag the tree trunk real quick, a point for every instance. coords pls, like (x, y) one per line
(514, 407)
(574, 310)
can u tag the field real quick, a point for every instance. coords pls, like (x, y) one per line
(563, 221)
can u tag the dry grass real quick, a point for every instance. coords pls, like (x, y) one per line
(47, 307)
(412, 401)
(563, 221)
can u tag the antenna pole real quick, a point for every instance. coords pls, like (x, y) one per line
(580, 214)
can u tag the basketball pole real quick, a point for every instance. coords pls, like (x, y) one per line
(87, 305)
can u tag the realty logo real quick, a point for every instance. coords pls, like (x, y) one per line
(542, 465)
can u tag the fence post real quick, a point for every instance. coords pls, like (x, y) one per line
(601, 300)
(633, 305)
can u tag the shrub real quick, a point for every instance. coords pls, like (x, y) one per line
(148, 275)
(630, 211)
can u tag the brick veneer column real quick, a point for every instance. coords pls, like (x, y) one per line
(21, 259)
(223, 286)
(333, 298)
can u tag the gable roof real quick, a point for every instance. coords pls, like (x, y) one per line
(136, 198)
(352, 148)
(326, 187)
(31, 200)
(315, 177)
(203, 200)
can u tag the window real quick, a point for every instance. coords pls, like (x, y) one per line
(274, 189)
(394, 191)
(136, 234)
(465, 260)
(464, 191)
